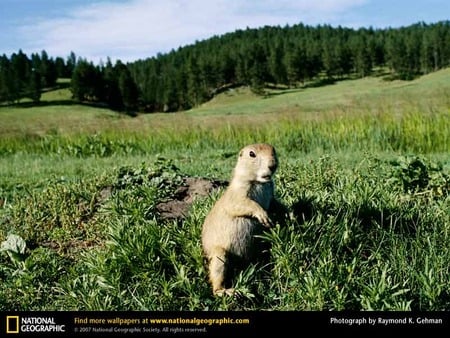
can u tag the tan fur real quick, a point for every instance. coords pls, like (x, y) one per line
(240, 214)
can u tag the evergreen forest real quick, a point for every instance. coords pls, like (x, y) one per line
(281, 57)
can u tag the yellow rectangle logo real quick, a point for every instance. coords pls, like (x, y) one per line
(12, 324)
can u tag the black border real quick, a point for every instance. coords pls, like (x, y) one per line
(283, 323)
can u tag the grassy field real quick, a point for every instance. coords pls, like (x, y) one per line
(364, 171)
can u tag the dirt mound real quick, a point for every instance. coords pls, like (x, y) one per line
(185, 194)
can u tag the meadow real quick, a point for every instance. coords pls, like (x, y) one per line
(364, 170)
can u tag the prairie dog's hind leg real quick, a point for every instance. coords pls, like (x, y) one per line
(218, 269)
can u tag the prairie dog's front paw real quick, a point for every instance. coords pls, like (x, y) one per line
(263, 218)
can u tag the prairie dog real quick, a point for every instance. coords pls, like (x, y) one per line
(239, 214)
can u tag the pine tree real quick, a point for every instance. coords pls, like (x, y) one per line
(194, 83)
(227, 68)
(87, 82)
(7, 81)
(257, 66)
(71, 64)
(361, 56)
(111, 93)
(47, 70)
(296, 64)
(128, 90)
(277, 67)
(34, 89)
(21, 74)
(60, 68)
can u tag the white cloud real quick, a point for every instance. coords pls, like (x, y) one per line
(141, 28)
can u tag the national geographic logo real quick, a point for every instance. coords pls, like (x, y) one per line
(12, 324)
(25, 324)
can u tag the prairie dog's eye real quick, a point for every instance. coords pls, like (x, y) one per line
(252, 153)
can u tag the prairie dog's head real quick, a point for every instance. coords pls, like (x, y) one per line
(256, 162)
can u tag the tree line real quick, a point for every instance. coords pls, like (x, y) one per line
(289, 56)
(109, 84)
(26, 77)
(286, 56)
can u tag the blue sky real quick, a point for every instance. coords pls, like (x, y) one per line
(137, 29)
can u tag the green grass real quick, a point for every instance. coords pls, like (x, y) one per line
(364, 171)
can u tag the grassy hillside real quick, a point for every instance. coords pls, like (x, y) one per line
(372, 96)
(364, 170)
